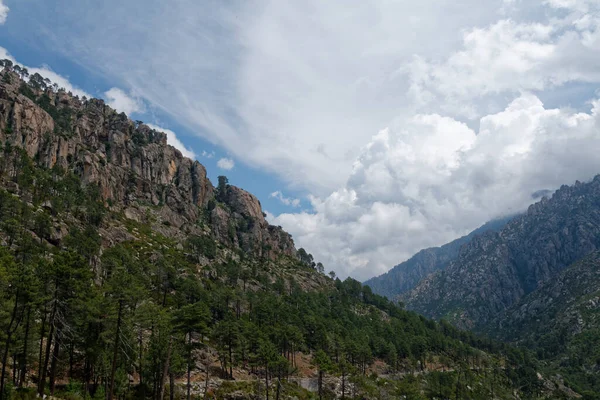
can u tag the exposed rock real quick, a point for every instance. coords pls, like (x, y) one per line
(134, 168)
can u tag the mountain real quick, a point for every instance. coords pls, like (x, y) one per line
(405, 276)
(132, 166)
(497, 269)
(125, 273)
(560, 321)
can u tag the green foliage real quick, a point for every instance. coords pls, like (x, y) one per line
(25, 90)
(222, 188)
(198, 246)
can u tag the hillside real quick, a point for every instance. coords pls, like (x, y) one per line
(406, 275)
(495, 270)
(125, 273)
(560, 321)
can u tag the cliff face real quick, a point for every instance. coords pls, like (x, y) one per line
(495, 270)
(133, 166)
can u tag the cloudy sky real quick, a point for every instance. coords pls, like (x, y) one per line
(369, 129)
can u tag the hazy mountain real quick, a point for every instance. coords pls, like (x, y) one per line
(406, 275)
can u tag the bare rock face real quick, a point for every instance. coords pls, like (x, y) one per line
(240, 222)
(132, 165)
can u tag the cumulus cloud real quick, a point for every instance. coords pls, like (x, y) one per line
(175, 142)
(429, 179)
(226, 164)
(3, 12)
(207, 154)
(507, 57)
(288, 201)
(122, 102)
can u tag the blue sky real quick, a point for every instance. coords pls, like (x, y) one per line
(29, 48)
(384, 126)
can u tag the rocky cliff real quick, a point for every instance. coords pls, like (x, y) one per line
(135, 169)
(495, 270)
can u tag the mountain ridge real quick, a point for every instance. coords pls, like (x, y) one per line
(496, 269)
(406, 275)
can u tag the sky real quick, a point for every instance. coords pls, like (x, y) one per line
(368, 129)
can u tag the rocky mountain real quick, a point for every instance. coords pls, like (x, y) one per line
(406, 275)
(560, 321)
(133, 166)
(497, 269)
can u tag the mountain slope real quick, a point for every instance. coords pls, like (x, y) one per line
(125, 274)
(561, 322)
(496, 269)
(406, 275)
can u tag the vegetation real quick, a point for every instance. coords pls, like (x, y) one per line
(139, 311)
(85, 317)
(565, 334)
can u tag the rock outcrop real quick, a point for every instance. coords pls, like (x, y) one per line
(132, 164)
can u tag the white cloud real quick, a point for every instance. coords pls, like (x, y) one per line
(175, 142)
(3, 12)
(300, 88)
(288, 201)
(429, 179)
(206, 154)
(302, 110)
(122, 102)
(226, 164)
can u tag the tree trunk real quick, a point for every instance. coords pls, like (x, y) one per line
(56, 353)
(43, 331)
(113, 368)
(207, 376)
(71, 357)
(267, 380)
(344, 385)
(44, 368)
(171, 386)
(278, 385)
(230, 346)
(189, 367)
(25, 343)
(165, 369)
(320, 384)
(14, 372)
(4, 360)
(141, 371)
(7, 345)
